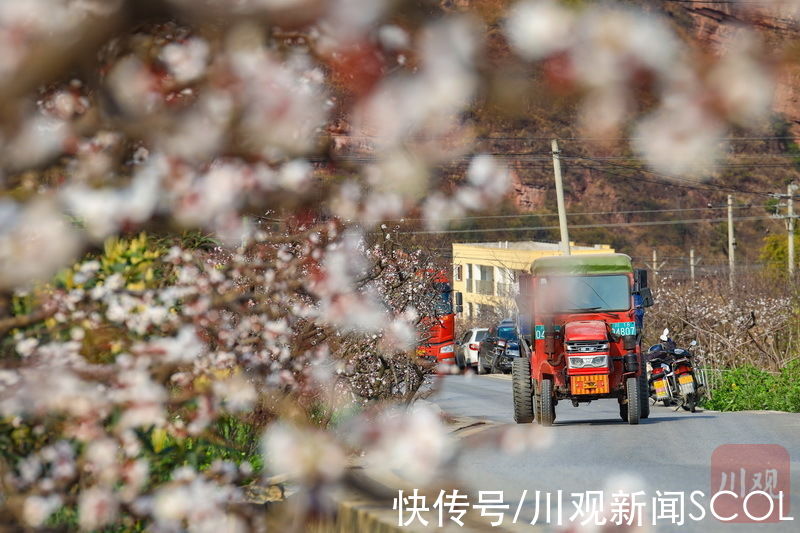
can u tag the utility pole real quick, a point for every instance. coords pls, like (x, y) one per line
(790, 226)
(731, 243)
(655, 266)
(693, 262)
(562, 212)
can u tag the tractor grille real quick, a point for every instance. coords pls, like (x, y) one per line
(587, 346)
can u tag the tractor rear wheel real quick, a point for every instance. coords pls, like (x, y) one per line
(630, 411)
(547, 413)
(523, 390)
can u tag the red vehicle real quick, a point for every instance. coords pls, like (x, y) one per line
(438, 341)
(585, 335)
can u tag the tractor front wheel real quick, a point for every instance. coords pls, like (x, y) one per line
(547, 413)
(523, 390)
(630, 411)
(644, 395)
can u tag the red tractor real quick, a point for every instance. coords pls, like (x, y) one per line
(438, 342)
(586, 326)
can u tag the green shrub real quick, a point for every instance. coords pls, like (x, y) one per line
(788, 388)
(749, 388)
(135, 259)
(230, 439)
(743, 388)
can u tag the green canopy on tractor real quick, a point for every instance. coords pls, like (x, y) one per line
(581, 264)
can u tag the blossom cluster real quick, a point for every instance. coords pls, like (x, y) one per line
(131, 357)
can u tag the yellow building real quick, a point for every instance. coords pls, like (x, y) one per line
(486, 272)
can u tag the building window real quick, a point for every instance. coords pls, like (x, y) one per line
(457, 272)
(470, 312)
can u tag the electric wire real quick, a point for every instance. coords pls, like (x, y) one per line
(586, 226)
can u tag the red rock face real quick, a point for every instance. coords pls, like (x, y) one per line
(787, 96)
(526, 197)
(713, 24)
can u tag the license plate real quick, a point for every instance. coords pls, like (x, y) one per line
(661, 389)
(593, 384)
(686, 382)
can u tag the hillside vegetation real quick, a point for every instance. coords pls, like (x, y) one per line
(526, 106)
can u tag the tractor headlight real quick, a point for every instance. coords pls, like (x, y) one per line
(447, 349)
(587, 361)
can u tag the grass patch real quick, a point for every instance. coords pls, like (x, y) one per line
(749, 388)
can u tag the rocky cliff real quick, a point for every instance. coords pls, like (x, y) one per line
(710, 26)
(762, 158)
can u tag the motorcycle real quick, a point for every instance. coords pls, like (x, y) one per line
(690, 389)
(672, 377)
(660, 375)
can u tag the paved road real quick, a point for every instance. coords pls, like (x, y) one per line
(589, 448)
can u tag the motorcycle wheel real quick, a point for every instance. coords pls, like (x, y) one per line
(481, 369)
(493, 369)
(690, 404)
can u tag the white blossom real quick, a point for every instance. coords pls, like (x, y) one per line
(187, 60)
(97, 507)
(302, 453)
(37, 509)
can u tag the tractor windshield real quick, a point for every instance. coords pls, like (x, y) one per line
(588, 293)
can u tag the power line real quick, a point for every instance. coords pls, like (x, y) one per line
(668, 183)
(575, 138)
(728, 155)
(576, 213)
(646, 180)
(536, 156)
(675, 178)
(588, 226)
(729, 2)
(527, 160)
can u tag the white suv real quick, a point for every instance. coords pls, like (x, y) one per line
(468, 347)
